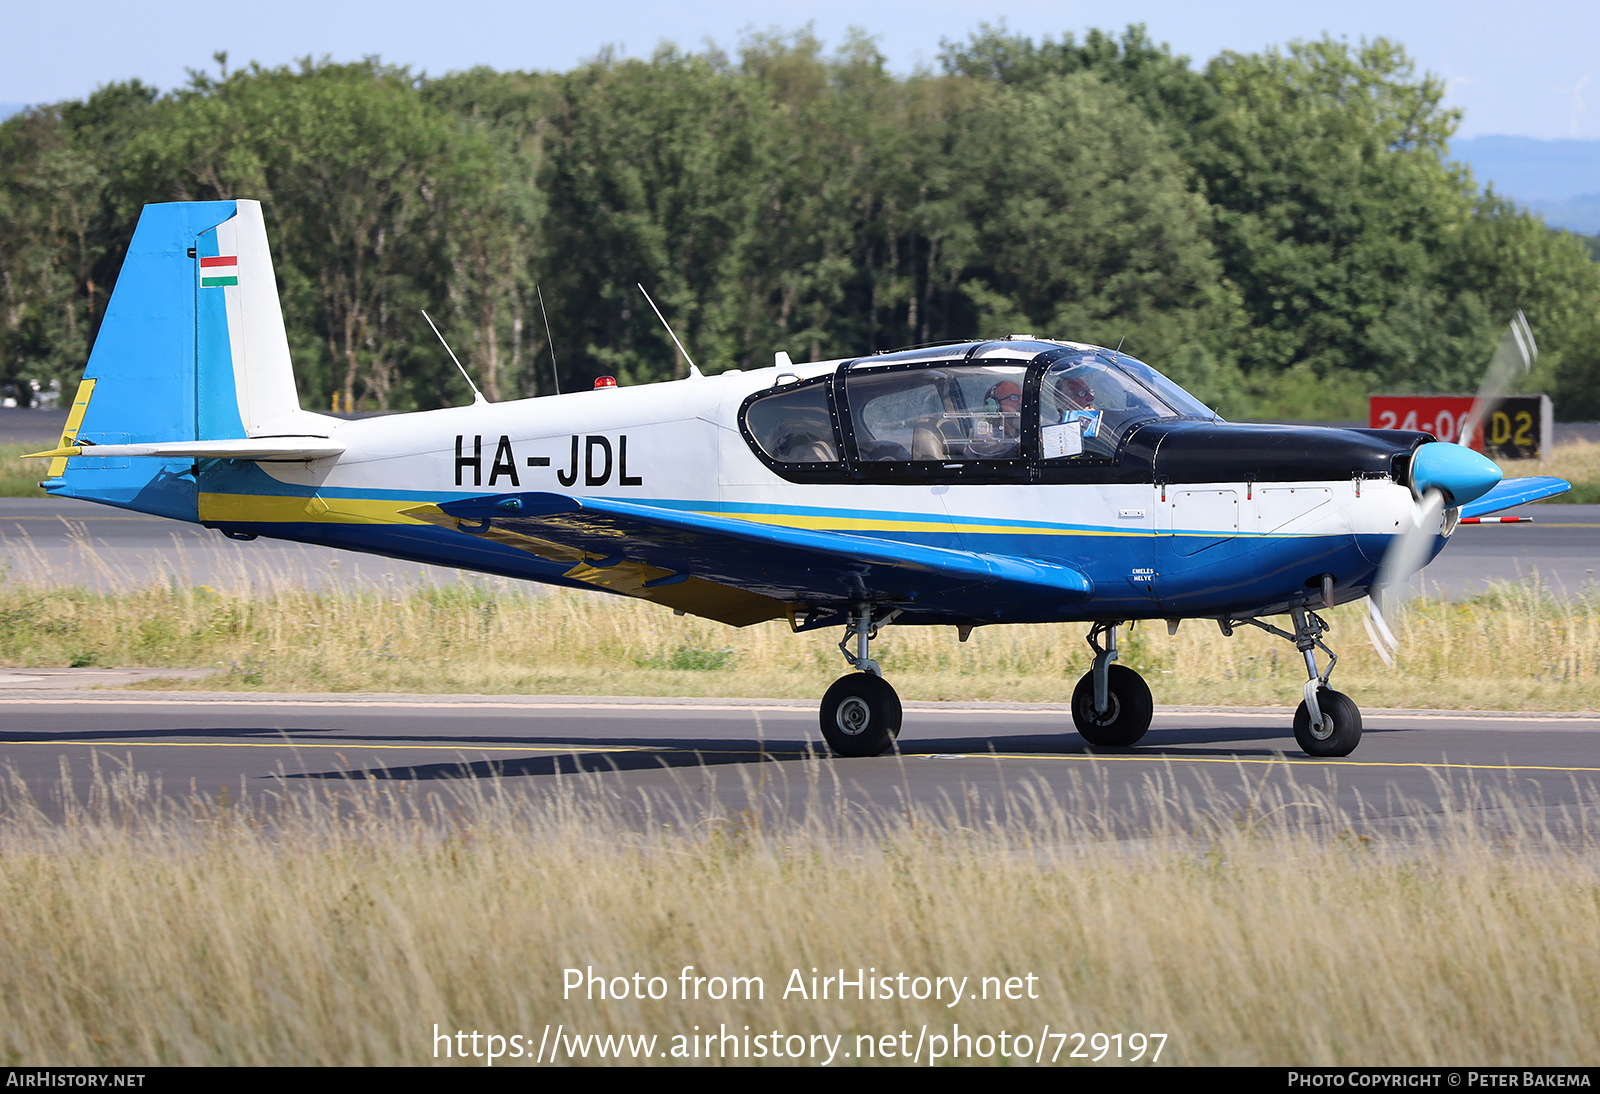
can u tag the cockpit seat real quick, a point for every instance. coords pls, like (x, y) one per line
(928, 445)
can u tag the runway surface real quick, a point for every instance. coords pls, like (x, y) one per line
(74, 542)
(683, 758)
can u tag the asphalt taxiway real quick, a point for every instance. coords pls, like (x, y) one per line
(680, 757)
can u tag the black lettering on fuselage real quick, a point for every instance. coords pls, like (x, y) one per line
(475, 461)
(504, 463)
(623, 478)
(599, 459)
(589, 476)
(570, 476)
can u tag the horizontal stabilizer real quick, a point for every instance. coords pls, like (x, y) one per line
(1513, 492)
(795, 566)
(240, 448)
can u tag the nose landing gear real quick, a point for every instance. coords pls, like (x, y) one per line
(1328, 722)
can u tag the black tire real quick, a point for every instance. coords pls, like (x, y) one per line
(860, 715)
(1127, 714)
(1339, 739)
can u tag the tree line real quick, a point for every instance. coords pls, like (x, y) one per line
(1283, 232)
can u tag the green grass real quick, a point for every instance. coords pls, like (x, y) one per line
(1518, 646)
(19, 478)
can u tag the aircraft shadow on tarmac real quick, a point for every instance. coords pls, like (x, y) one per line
(617, 753)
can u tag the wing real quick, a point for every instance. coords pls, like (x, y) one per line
(741, 572)
(1513, 492)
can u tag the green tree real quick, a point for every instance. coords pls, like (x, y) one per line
(61, 242)
(351, 166)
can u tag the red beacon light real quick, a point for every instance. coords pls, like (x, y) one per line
(604, 381)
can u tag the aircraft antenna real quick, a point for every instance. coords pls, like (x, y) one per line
(693, 368)
(477, 396)
(551, 342)
(1121, 340)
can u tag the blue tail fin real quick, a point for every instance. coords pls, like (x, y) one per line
(192, 348)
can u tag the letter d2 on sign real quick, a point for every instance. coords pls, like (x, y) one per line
(1516, 427)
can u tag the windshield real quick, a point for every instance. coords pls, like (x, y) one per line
(1087, 404)
(1180, 400)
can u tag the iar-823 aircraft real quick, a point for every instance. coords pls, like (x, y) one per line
(1016, 480)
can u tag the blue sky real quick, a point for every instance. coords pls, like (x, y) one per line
(1525, 69)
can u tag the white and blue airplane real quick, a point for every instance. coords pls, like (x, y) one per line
(1015, 480)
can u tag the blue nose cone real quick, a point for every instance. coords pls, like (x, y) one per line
(1461, 473)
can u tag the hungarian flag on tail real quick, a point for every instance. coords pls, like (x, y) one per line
(219, 271)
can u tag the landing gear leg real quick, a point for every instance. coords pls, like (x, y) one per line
(1111, 706)
(1328, 722)
(861, 713)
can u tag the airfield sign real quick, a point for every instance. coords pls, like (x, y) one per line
(1516, 427)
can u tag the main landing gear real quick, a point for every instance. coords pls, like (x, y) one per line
(860, 713)
(1111, 706)
(1328, 722)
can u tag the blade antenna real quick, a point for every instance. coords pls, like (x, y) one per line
(549, 341)
(477, 396)
(694, 370)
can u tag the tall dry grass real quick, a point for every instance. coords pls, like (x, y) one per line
(1576, 461)
(1518, 646)
(338, 926)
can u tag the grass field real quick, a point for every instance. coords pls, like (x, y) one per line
(1578, 462)
(1515, 647)
(340, 926)
(19, 478)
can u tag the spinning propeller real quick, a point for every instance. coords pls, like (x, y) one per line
(1445, 475)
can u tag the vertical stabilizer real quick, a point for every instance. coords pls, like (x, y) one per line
(192, 348)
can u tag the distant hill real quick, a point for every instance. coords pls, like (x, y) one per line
(1578, 214)
(1559, 179)
(8, 109)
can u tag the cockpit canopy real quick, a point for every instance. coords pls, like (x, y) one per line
(987, 410)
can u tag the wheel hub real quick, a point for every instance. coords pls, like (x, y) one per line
(1321, 731)
(1112, 713)
(853, 716)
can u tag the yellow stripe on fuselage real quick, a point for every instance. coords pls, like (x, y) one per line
(276, 509)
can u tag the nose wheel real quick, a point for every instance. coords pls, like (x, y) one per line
(1328, 722)
(1336, 732)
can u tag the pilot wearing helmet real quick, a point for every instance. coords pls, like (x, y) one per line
(997, 433)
